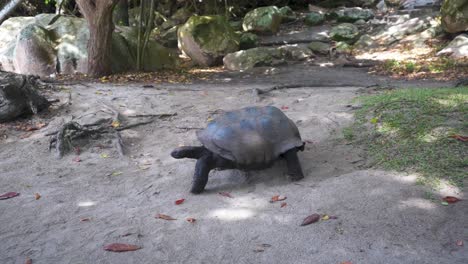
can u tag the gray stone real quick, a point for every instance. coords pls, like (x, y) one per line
(248, 59)
(319, 47)
(34, 53)
(343, 47)
(394, 33)
(263, 20)
(206, 39)
(352, 14)
(296, 52)
(345, 32)
(457, 48)
(365, 42)
(314, 18)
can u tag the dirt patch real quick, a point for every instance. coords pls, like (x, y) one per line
(383, 217)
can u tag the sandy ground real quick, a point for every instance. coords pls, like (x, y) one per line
(383, 216)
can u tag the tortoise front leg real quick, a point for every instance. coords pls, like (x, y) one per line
(202, 169)
(294, 166)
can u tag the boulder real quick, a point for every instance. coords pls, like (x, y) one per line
(207, 39)
(314, 18)
(394, 33)
(457, 48)
(365, 42)
(343, 47)
(248, 40)
(168, 38)
(345, 32)
(454, 16)
(351, 15)
(319, 47)
(287, 14)
(34, 52)
(236, 25)
(248, 59)
(295, 52)
(263, 20)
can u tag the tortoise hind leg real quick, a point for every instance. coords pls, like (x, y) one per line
(294, 166)
(202, 169)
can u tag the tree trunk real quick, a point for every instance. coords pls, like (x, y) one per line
(98, 14)
(8, 8)
(121, 13)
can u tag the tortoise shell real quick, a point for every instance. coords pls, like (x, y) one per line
(251, 135)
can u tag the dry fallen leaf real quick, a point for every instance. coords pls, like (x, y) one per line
(451, 199)
(346, 262)
(277, 198)
(283, 205)
(180, 201)
(225, 194)
(165, 217)
(459, 243)
(37, 196)
(325, 217)
(191, 220)
(85, 220)
(115, 124)
(8, 195)
(28, 261)
(77, 159)
(460, 137)
(118, 247)
(310, 219)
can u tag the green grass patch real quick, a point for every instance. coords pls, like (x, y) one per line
(411, 129)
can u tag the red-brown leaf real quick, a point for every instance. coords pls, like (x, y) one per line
(85, 220)
(165, 217)
(310, 219)
(277, 198)
(284, 107)
(28, 261)
(191, 220)
(460, 137)
(118, 247)
(180, 201)
(8, 195)
(459, 243)
(346, 262)
(77, 159)
(451, 199)
(37, 196)
(225, 194)
(283, 205)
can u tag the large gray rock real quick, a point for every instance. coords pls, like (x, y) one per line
(206, 39)
(319, 47)
(34, 52)
(457, 48)
(42, 49)
(248, 59)
(394, 33)
(263, 20)
(248, 40)
(454, 14)
(352, 14)
(345, 32)
(296, 52)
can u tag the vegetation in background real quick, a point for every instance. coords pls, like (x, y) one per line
(419, 130)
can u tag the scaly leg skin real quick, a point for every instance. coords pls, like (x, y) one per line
(190, 152)
(202, 169)
(294, 166)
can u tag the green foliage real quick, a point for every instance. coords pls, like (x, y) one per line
(411, 130)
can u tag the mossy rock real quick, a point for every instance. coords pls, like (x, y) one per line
(248, 40)
(263, 20)
(314, 19)
(454, 16)
(319, 47)
(287, 14)
(346, 32)
(207, 39)
(248, 59)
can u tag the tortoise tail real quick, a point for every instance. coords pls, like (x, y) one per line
(188, 152)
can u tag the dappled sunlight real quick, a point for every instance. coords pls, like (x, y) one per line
(419, 203)
(232, 214)
(86, 203)
(388, 129)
